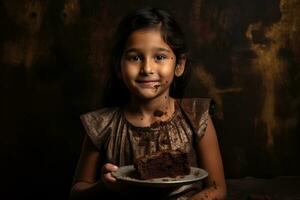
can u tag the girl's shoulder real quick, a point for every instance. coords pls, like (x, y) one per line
(195, 104)
(196, 111)
(96, 123)
(96, 115)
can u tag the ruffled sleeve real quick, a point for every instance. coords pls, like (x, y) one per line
(98, 125)
(196, 111)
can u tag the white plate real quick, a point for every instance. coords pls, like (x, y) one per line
(128, 175)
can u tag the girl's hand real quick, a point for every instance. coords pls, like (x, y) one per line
(106, 175)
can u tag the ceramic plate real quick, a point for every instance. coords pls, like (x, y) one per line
(128, 175)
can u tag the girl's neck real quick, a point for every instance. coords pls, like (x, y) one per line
(146, 107)
(141, 112)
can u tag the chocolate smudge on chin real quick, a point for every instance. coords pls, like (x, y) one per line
(156, 87)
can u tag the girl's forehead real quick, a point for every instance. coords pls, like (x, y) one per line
(146, 38)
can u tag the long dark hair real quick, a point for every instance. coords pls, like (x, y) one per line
(115, 92)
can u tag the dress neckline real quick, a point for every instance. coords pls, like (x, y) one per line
(155, 124)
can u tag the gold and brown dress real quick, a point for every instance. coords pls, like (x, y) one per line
(119, 142)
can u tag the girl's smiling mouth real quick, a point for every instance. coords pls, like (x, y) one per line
(148, 83)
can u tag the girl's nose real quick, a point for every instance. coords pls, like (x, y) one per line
(147, 67)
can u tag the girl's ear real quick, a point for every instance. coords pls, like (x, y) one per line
(180, 66)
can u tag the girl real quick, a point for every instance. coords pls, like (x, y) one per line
(149, 64)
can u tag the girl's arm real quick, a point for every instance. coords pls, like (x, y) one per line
(85, 185)
(209, 152)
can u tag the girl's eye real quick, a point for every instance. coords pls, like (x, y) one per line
(134, 58)
(160, 57)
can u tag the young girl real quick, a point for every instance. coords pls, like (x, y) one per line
(149, 65)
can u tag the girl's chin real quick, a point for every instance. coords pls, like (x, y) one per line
(148, 94)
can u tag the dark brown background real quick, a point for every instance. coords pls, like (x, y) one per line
(245, 55)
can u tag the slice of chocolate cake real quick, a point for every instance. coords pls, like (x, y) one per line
(160, 164)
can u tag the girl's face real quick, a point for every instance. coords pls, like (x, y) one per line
(148, 64)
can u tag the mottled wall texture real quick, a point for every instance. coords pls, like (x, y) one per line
(245, 55)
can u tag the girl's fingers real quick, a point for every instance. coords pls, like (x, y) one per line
(106, 172)
(109, 178)
(108, 167)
